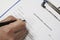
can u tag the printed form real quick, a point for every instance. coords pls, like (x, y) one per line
(42, 25)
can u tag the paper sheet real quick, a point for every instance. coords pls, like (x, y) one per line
(40, 23)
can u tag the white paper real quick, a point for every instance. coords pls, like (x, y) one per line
(40, 23)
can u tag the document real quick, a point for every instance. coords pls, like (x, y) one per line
(41, 24)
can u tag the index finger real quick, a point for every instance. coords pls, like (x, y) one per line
(15, 26)
(9, 18)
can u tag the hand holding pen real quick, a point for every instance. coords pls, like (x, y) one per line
(13, 29)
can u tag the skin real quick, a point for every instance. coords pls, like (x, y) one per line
(13, 31)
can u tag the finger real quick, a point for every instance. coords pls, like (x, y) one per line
(23, 37)
(15, 26)
(21, 34)
(9, 18)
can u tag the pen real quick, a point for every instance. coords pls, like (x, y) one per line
(6, 23)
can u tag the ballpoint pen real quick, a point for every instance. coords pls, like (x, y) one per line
(7, 22)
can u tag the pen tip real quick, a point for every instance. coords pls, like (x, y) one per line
(24, 20)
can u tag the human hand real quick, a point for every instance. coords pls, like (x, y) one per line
(13, 31)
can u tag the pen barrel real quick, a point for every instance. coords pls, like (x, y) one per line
(6, 23)
(53, 7)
